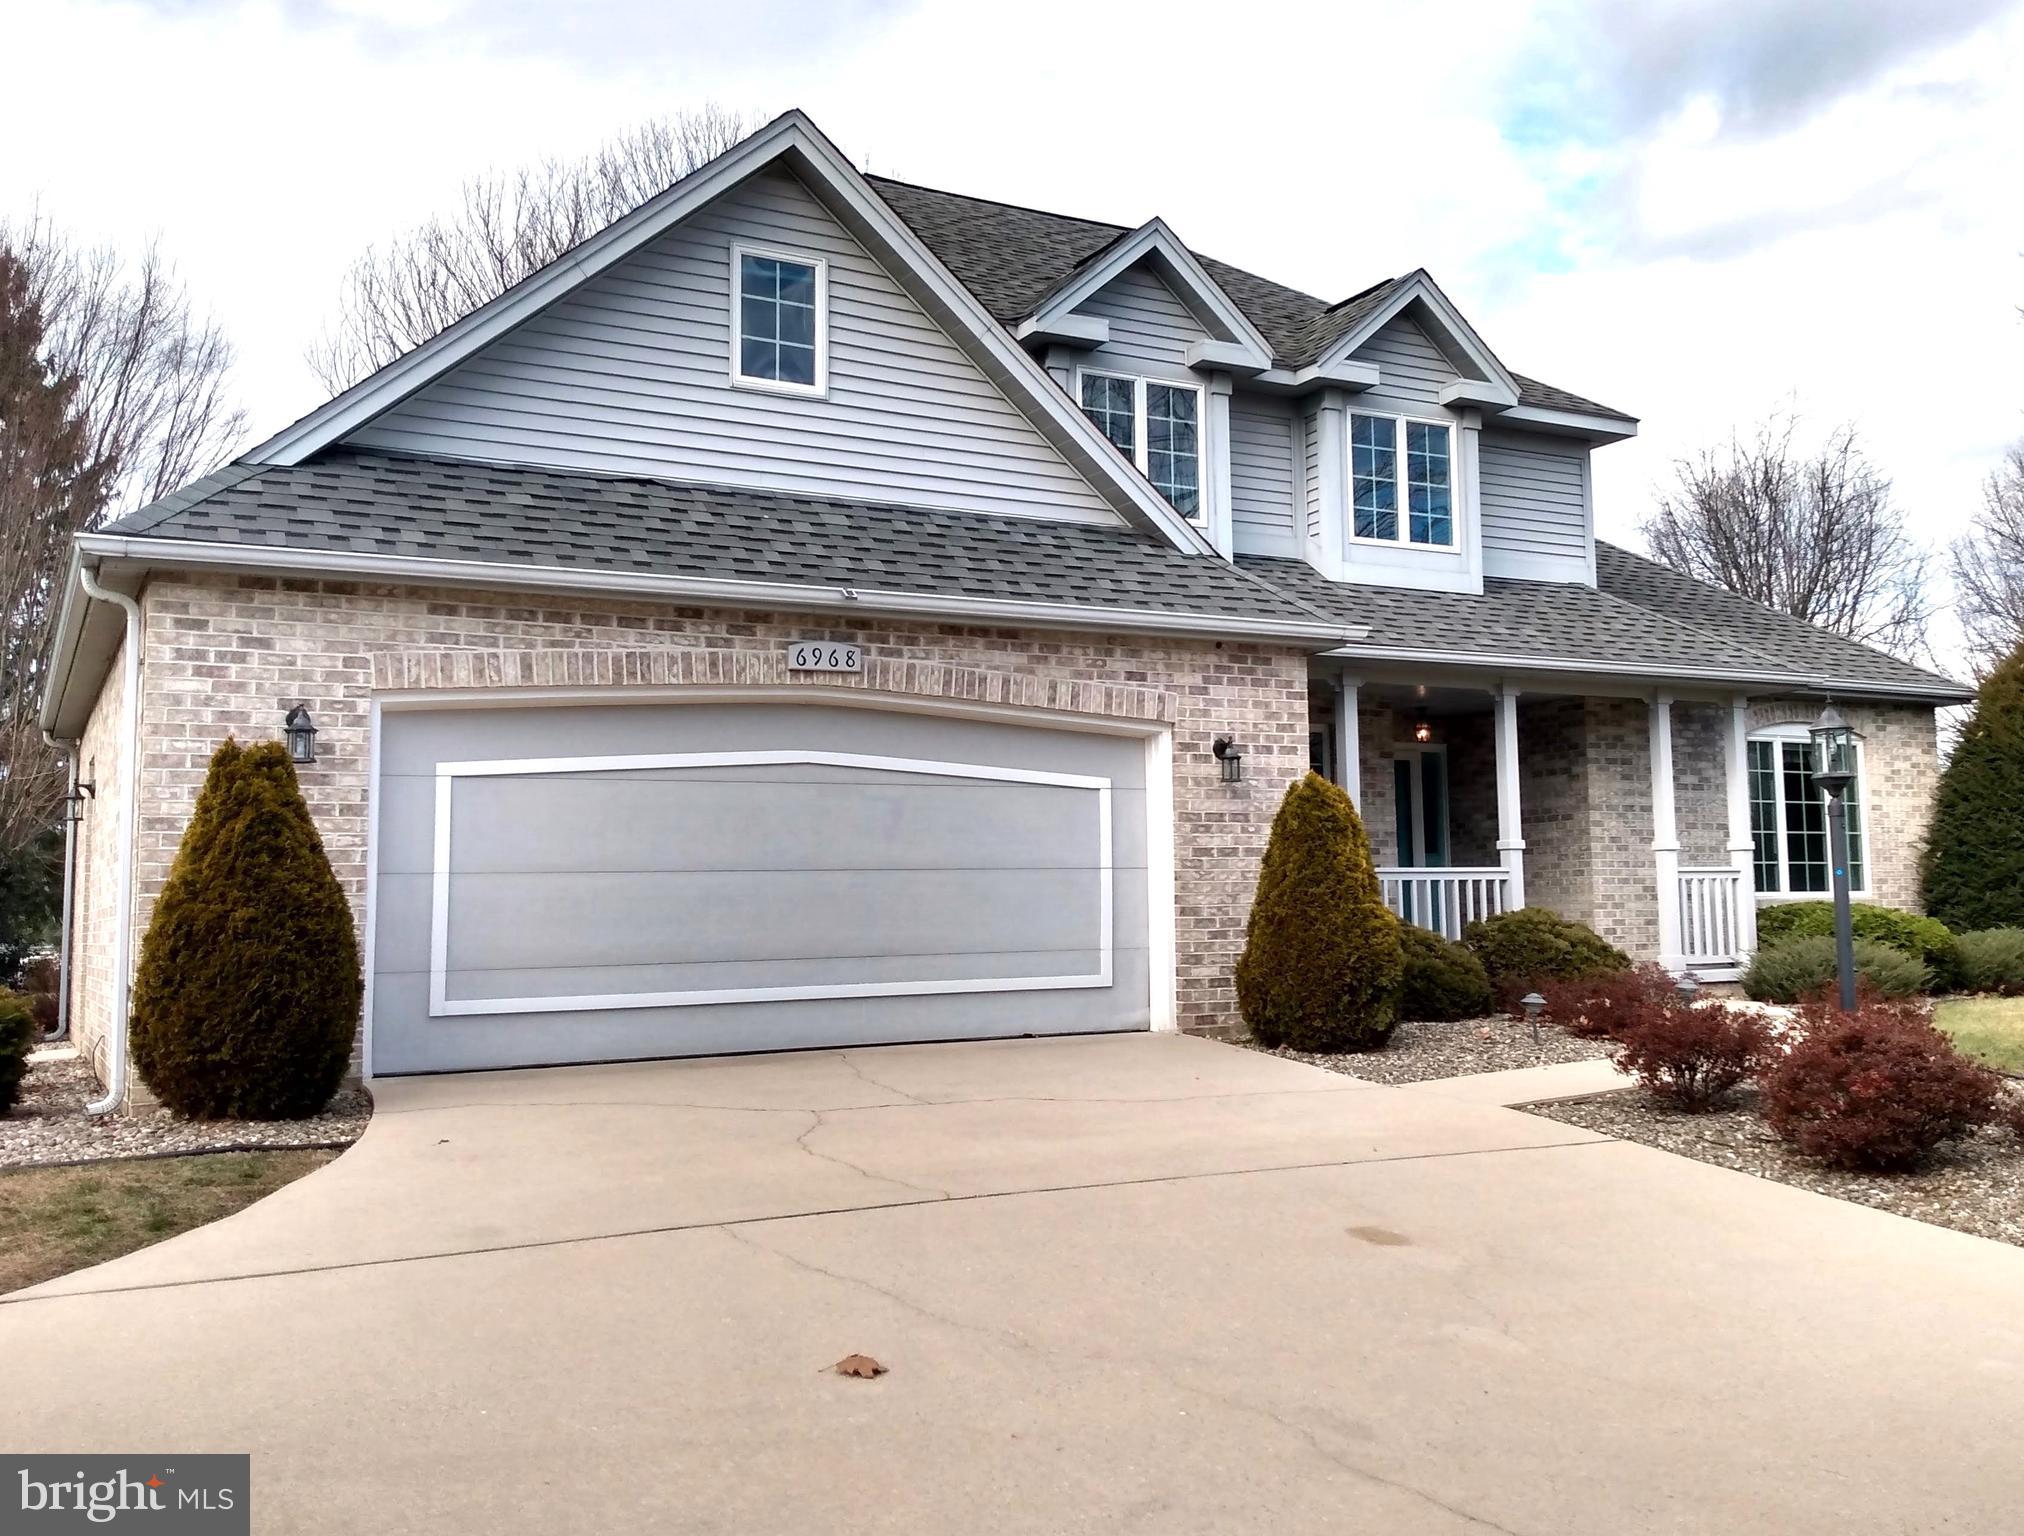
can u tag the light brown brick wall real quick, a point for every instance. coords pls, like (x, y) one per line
(102, 752)
(229, 656)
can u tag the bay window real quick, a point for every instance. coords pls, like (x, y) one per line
(1788, 819)
(1155, 424)
(1385, 451)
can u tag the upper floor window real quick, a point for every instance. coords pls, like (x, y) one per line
(1379, 448)
(1155, 424)
(779, 320)
(1788, 818)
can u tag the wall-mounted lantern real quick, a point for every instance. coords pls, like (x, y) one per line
(1225, 750)
(300, 732)
(73, 803)
(1423, 732)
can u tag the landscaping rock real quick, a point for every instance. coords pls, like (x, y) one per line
(1419, 1053)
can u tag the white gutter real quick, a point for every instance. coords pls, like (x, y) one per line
(123, 929)
(707, 589)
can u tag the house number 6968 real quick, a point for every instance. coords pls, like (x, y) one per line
(824, 656)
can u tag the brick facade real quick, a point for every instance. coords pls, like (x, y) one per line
(227, 656)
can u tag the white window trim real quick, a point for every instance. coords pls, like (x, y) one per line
(743, 380)
(1141, 454)
(1398, 421)
(1780, 735)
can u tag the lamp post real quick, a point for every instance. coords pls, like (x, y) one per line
(1834, 770)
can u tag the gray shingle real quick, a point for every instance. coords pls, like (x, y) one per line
(386, 504)
(1012, 257)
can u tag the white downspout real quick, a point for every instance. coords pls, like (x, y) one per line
(123, 929)
(62, 1030)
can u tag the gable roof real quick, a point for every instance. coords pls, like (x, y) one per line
(794, 141)
(1640, 618)
(1011, 258)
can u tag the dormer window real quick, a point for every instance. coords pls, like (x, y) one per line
(779, 321)
(1155, 424)
(1385, 451)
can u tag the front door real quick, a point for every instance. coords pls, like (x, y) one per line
(1420, 804)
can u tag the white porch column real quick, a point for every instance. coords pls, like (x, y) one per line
(1348, 740)
(1665, 834)
(1510, 824)
(1742, 848)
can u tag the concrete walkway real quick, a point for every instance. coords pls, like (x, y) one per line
(1128, 1283)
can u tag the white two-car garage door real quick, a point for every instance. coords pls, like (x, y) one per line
(596, 883)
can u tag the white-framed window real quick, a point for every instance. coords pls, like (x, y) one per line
(1155, 423)
(1788, 818)
(779, 320)
(1401, 481)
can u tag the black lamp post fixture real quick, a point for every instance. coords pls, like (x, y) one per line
(300, 731)
(1834, 742)
(1226, 753)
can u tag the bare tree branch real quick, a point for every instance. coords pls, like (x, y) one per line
(506, 226)
(1988, 565)
(1816, 535)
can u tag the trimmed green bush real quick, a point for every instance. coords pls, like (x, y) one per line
(1926, 937)
(1973, 867)
(1535, 944)
(247, 995)
(1444, 981)
(1992, 960)
(1321, 965)
(1797, 969)
(17, 1038)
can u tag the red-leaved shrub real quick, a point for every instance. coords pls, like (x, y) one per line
(1604, 1007)
(1690, 1056)
(1877, 1088)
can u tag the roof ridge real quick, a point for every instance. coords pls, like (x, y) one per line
(999, 202)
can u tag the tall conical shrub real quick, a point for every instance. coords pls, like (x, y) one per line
(247, 996)
(1322, 963)
(1973, 866)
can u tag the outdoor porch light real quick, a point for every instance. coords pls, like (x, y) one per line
(300, 732)
(1834, 742)
(73, 803)
(1226, 753)
(1423, 731)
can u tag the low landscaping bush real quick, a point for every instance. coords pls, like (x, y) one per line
(17, 1038)
(1603, 1007)
(1794, 969)
(1522, 949)
(1322, 961)
(1443, 982)
(1926, 937)
(1992, 960)
(1690, 1055)
(1878, 1088)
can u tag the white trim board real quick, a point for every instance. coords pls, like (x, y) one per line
(441, 1005)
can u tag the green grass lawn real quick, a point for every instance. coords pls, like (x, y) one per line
(54, 1220)
(1988, 1028)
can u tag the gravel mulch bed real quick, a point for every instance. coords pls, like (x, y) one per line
(1419, 1053)
(1975, 1185)
(48, 1126)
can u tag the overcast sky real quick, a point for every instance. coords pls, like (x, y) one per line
(1695, 212)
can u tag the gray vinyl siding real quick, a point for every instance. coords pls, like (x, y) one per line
(1262, 498)
(1534, 501)
(1148, 322)
(1410, 367)
(630, 374)
(1310, 432)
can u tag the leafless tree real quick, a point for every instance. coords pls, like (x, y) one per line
(505, 226)
(141, 405)
(1988, 565)
(1813, 534)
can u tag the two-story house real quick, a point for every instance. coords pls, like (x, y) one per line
(822, 610)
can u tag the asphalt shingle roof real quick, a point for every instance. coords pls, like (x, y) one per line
(387, 504)
(1640, 615)
(1011, 258)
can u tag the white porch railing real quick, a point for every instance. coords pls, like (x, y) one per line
(1445, 900)
(1711, 929)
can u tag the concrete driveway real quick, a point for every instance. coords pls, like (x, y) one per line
(1125, 1283)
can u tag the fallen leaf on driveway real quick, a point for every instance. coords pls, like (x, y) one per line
(858, 1365)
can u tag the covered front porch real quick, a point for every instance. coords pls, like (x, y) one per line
(1628, 809)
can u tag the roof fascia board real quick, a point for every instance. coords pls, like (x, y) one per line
(1477, 392)
(1419, 288)
(1201, 292)
(1937, 693)
(1068, 330)
(160, 553)
(1597, 429)
(1346, 374)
